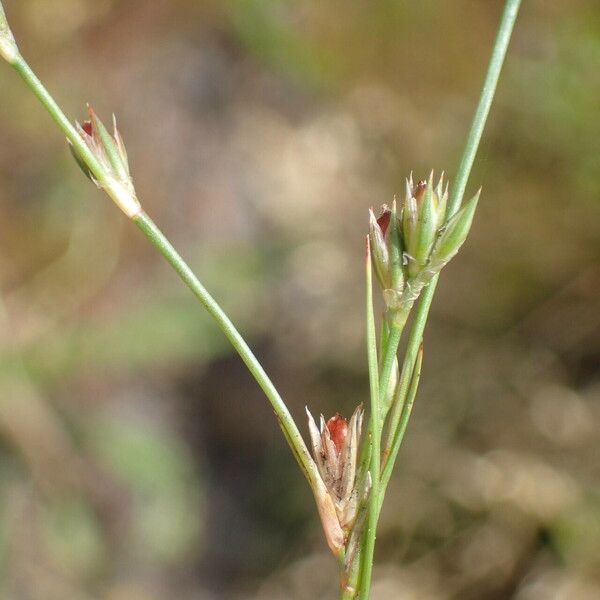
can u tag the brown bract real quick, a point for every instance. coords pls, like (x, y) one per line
(335, 450)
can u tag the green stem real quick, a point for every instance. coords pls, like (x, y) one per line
(488, 90)
(387, 365)
(162, 244)
(157, 238)
(375, 429)
(486, 97)
(406, 412)
(37, 87)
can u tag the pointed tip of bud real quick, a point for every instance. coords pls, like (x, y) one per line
(87, 128)
(372, 218)
(454, 233)
(384, 219)
(419, 189)
(408, 189)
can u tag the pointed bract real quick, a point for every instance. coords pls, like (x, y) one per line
(335, 450)
(454, 233)
(379, 250)
(111, 156)
(426, 225)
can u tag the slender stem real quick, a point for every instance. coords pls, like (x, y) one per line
(162, 244)
(505, 29)
(348, 591)
(406, 412)
(375, 439)
(500, 47)
(501, 42)
(157, 238)
(20, 65)
(387, 365)
(398, 402)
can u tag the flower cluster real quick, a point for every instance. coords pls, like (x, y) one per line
(335, 450)
(412, 243)
(109, 151)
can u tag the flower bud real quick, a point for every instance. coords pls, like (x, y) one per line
(386, 252)
(110, 153)
(423, 215)
(335, 450)
(379, 250)
(454, 234)
(409, 220)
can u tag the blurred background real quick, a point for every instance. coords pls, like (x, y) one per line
(138, 459)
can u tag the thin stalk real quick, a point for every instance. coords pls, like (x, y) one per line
(375, 439)
(406, 412)
(158, 239)
(162, 244)
(398, 402)
(20, 65)
(507, 22)
(486, 97)
(348, 591)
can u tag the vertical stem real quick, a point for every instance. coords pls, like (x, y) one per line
(501, 42)
(486, 97)
(505, 29)
(375, 429)
(405, 416)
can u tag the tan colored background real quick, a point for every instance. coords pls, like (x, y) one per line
(138, 461)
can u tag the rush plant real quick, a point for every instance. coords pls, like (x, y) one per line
(349, 464)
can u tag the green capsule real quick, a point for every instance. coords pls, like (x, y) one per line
(395, 250)
(379, 252)
(426, 225)
(409, 226)
(454, 234)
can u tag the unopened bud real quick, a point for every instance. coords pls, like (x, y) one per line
(110, 153)
(335, 451)
(379, 250)
(454, 234)
(387, 251)
(422, 217)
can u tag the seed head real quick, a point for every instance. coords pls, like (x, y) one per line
(335, 450)
(110, 153)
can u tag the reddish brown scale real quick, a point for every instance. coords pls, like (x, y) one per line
(87, 127)
(419, 189)
(338, 430)
(384, 220)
